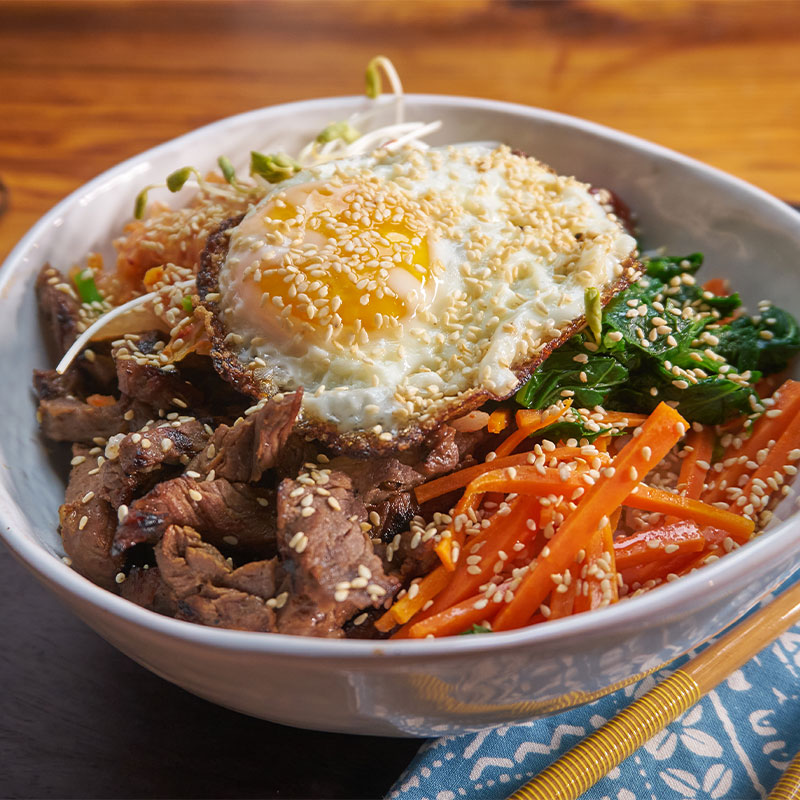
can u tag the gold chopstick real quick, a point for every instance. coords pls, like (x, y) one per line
(788, 787)
(581, 767)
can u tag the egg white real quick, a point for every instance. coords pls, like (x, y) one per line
(511, 249)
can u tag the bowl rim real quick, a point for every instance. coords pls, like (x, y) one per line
(672, 600)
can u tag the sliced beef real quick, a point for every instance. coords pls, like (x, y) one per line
(443, 455)
(383, 485)
(67, 419)
(141, 457)
(332, 569)
(88, 521)
(253, 444)
(377, 479)
(146, 588)
(47, 383)
(65, 416)
(209, 591)
(392, 515)
(168, 443)
(408, 557)
(158, 387)
(233, 517)
(58, 308)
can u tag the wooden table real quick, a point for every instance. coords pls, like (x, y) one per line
(85, 85)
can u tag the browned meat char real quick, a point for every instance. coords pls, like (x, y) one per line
(333, 571)
(253, 444)
(209, 591)
(67, 419)
(65, 416)
(443, 455)
(88, 522)
(168, 443)
(408, 556)
(139, 458)
(157, 387)
(392, 515)
(383, 485)
(58, 308)
(146, 588)
(234, 517)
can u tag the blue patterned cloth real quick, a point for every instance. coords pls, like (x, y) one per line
(733, 745)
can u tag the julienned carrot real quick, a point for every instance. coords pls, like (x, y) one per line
(772, 468)
(599, 579)
(659, 544)
(405, 608)
(562, 601)
(656, 570)
(460, 617)
(499, 420)
(529, 421)
(663, 428)
(461, 478)
(648, 498)
(526, 479)
(500, 536)
(697, 462)
(448, 548)
(765, 429)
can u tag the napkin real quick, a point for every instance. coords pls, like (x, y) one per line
(733, 745)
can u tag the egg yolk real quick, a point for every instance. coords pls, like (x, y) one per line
(336, 254)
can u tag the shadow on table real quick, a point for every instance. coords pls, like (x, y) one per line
(80, 720)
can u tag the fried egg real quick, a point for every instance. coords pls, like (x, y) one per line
(402, 289)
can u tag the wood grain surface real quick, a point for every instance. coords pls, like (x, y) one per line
(84, 85)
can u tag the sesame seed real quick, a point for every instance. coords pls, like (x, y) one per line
(195, 495)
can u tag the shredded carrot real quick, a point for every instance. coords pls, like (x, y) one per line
(562, 601)
(448, 547)
(529, 421)
(765, 429)
(599, 583)
(663, 428)
(460, 617)
(770, 474)
(500, 536)
(405, 608)
(696, 464)
(659, 544)
(461, 478)
(499, 420)
(648, 498)
(101, 400)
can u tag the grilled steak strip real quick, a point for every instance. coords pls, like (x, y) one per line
(253, 444)
(232, 516)
(209, 591)
(87, 522)
(333, 571)
(58, 308)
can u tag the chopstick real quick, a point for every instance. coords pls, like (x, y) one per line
(788, 787)
(585, 764)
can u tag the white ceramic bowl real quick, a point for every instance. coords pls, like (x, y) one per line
(418, 688)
